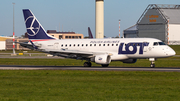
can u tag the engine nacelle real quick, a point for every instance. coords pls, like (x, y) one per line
(102, 59)
(129, 61)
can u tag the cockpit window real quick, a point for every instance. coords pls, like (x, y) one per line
(161, 43)
(155, 43)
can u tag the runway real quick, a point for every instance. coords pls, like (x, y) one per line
(88, 68)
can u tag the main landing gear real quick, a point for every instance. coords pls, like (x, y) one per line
(87, 64)
(152, 62)
(105, 65)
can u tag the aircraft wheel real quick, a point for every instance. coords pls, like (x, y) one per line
(152, 65)
(105, 65)
(87, 64)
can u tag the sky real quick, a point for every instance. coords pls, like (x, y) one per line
(74, 15)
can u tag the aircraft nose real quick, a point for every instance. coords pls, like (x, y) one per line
(171, 52)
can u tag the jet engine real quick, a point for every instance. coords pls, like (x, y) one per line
(129, 61)
(102, 59)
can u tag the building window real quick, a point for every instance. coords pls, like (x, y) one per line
(112, 44)
(94, 44)
(116, 44)
(66, 45)
(82, 44)
(73, 37)
(78, 45)
(60, 36)
(66, 37)
(90, 44)
(69, 37)
(70, 45)
(103, 44)
(74, 45)
(99, 44)
(107, 44)
(61, 45)
(86, 44)
(79, 37)
(52, 35)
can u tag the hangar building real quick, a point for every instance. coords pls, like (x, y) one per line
(131, 32)
(161, 22)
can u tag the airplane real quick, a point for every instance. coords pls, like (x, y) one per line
(90, 33)
(100, 51)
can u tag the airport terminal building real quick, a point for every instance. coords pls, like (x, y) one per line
(158, 21)
(8, 43)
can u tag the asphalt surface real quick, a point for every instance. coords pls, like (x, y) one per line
(4, 67)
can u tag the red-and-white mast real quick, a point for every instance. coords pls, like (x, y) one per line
(13, 32)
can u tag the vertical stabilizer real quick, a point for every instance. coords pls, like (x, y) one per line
(34, 28)
(89, 33)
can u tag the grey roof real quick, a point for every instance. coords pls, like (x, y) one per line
(172, 14)
(134, 27)
(167, 12)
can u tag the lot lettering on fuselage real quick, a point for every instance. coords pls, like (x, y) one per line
(134, 48)
(94, 42)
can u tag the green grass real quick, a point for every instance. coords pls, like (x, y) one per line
(60, 85)
(176, 48)
(167, 62)
(65, 85)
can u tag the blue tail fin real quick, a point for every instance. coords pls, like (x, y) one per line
(34, 28)
(90, 34)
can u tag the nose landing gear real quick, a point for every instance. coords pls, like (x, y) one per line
(152, 62)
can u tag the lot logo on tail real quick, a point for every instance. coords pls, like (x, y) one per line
(32, 26)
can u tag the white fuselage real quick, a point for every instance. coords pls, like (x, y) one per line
(118, 49)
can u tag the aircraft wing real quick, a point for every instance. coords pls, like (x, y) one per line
(26, 45)
(73, 53)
